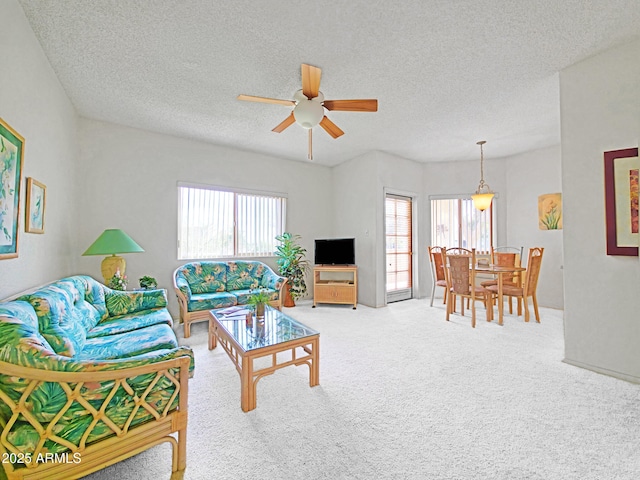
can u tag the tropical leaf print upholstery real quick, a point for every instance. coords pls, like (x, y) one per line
(183, 285)
(209, 301)
(130, 322)
(242, 275)
(122, 303)
(58, 323)
(19, 327)
(205, 277)
(66, 327)
(122, 345)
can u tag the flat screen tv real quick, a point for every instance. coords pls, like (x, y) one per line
(335, 251)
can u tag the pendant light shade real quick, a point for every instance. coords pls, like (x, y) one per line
(482, 201)
(483, 196)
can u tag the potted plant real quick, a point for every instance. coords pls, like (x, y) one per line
(148, 283)
(293, 265)
(259, 301)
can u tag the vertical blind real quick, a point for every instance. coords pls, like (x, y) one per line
(455, 222)
(215, 223)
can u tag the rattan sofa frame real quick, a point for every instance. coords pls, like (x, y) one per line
(126, 441)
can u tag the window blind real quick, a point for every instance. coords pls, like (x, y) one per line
(215, 223)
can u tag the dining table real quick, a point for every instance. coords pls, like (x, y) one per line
(500, 271)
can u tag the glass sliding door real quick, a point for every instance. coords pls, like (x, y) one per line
(398, 238)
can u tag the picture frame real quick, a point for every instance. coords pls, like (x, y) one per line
(621, 201)
(35, 208)
(550, 211)
(11, 165)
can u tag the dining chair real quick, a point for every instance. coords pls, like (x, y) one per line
(529, 286)
(437, 272)
(460, 273)
(507, 257)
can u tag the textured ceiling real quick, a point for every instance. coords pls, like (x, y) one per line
(445, 73)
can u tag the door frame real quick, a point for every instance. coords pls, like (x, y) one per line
(415, 253)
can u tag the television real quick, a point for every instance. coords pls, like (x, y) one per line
(335, 251)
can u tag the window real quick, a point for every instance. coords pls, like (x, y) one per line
(214, 223)
(455, 222)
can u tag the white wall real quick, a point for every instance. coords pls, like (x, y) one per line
(600, 111)
(355, 215)
(528, 176)
(130, 181)
(34, 104)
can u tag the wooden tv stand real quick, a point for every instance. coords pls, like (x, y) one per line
(335, 284)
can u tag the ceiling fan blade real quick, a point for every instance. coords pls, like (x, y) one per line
(285, 123)
(331, 128)
(310, 80)
(365, 105)
(251, 98)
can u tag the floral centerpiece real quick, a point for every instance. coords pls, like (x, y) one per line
(118, 281)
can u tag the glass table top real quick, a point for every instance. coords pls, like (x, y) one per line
(276, 328)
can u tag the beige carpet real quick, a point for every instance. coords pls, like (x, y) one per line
(404, 394)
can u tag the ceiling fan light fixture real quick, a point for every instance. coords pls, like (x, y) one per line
(309, 105)
(299, 96)
(483, 196)
(308, 113)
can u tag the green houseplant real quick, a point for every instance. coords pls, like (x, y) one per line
(148, 283)
(293, 265)
(259, 301)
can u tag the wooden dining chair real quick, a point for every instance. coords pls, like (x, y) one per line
(437, 272)
(507, 257)
(529, 286)
(460, 273)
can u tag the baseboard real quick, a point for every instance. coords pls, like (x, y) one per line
(603, 371)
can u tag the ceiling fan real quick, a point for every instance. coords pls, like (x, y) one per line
(309, 105)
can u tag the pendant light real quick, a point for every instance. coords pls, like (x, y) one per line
(483, 196)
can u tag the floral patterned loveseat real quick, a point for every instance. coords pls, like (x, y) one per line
(203, 286)
(88, 376)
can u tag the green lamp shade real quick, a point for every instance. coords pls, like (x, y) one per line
(112, 242)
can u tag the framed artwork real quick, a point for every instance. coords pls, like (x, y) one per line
(36, 196)
(550, 211)
(621, 168)
(11, 153)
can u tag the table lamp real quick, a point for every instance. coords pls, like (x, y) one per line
(112, 242)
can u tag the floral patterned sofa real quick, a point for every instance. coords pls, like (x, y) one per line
(88, 376)
(203, 286)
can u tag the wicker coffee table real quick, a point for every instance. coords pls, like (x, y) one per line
(285, 340)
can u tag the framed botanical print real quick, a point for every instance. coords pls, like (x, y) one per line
(11, 154)
(36, 196)
(550, 211)
(621, 172)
